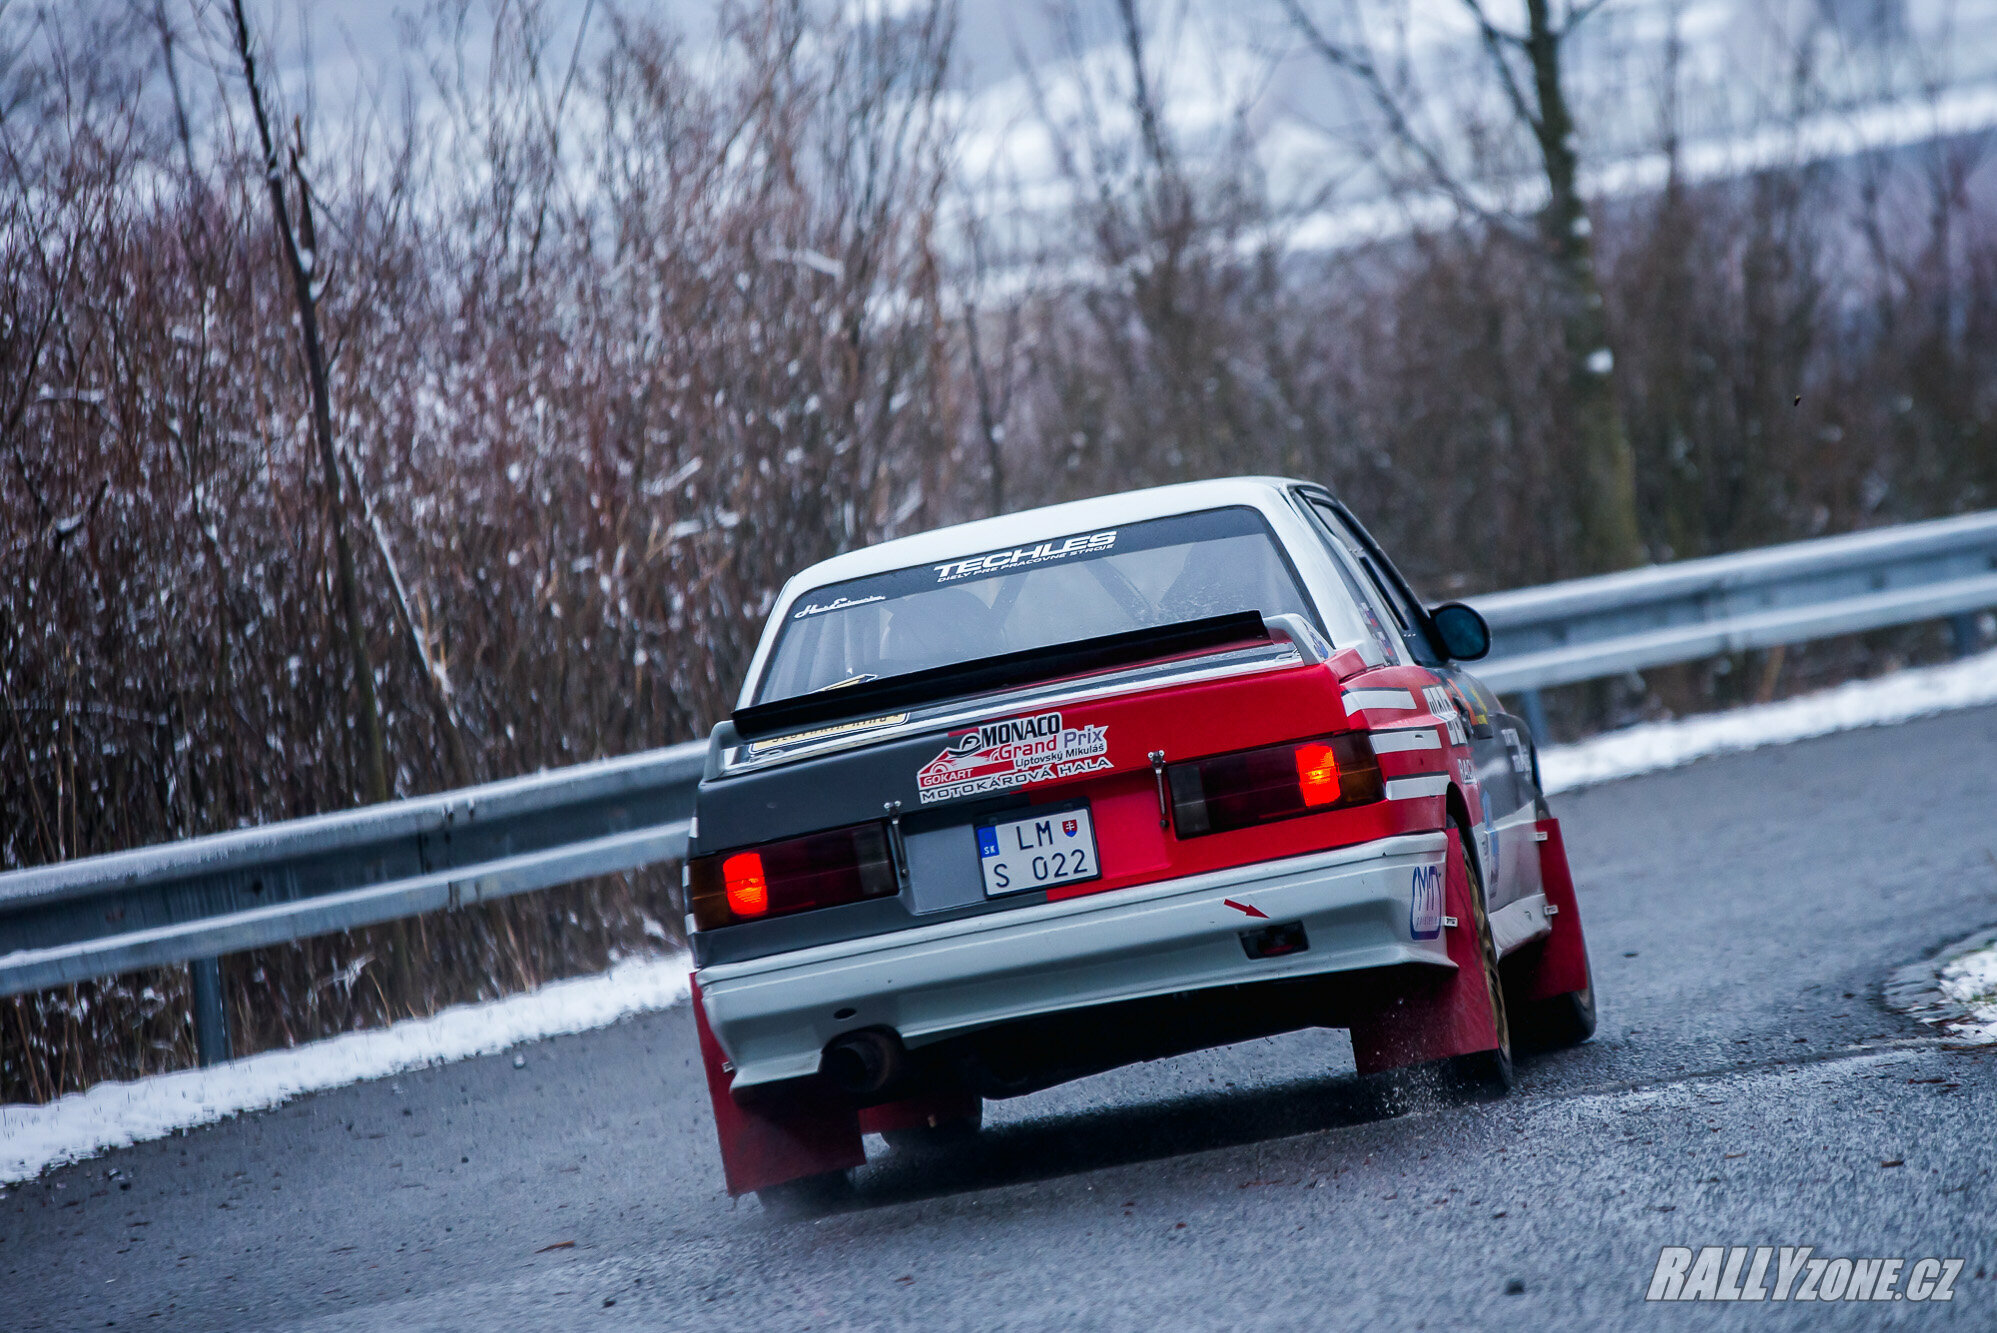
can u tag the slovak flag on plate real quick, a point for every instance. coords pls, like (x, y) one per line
(1068, 826)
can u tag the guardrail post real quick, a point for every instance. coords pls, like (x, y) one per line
(1533, 709)
(211, 1017)
(1963, 629)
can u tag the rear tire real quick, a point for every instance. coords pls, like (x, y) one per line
(1559, 1021)
(919, 1140)
(810, 1196)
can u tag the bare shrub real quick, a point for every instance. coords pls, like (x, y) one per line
(595, 395)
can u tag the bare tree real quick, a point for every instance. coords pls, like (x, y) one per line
(299, 252)
(993, 375)
(1529, 69)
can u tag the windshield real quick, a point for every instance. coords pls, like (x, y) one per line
(1162, 571)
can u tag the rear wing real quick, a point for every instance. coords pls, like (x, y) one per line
(985, 674)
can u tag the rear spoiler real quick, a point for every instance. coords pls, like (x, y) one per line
(985, 674)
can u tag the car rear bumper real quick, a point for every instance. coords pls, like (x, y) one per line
(773, 1016)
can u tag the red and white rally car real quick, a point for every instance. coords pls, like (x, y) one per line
(1017, 801)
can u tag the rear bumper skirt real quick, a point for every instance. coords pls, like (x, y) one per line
(773, 1016)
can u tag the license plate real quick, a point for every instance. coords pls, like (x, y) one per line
(1038, 852)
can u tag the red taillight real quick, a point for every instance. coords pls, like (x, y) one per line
(1317, 774)
(742, 880)
(817, 870)
(1249, 787)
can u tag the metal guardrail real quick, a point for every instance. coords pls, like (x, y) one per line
(1585, 629)
(196, 900)
(199, 899)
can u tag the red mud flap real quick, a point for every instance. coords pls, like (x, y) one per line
(1434, 1015)
(775, 1138)
(1562, 966)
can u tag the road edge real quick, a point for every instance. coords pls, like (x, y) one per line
(111, 1115)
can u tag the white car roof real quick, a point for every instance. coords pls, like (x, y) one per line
(1032, 525)
(1268, 495)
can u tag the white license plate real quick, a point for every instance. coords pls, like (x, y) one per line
(1038, 852)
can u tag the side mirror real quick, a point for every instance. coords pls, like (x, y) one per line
(1465, 636)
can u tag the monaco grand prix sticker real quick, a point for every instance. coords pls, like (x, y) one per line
(1017, 752)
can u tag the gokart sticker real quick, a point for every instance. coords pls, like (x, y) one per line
(1425, 903)
(1091, 543)
(1017, 752)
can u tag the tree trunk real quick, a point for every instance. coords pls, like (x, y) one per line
(1605, 477)
(369, 707)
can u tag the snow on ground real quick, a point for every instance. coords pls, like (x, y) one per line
(114, 1115)
(1971, 981)
(1900, 697)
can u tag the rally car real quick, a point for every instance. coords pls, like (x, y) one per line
(1017, 801)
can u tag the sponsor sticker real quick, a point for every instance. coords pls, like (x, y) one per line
(836, 604)
(1316, 641)
(1468, 702)
(1020, 556)
(1017, 752)
(1425, 903)
(1795, 1273)
(1440, 704)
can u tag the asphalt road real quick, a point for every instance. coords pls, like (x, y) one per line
(1748, 1087)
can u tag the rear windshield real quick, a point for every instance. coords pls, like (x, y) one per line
(1163, 571)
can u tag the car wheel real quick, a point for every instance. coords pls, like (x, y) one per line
(1488, 1072)
(1558, 1021)
(808, 1197)
(941, 1137)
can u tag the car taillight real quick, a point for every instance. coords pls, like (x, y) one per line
(1248, 787)
(1317, 774)
(818, 870)
(742, 882)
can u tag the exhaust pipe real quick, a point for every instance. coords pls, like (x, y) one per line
(862, 1063)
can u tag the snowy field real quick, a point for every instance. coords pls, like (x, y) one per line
(113, 1115)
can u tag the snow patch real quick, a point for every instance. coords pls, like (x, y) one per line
(1971, 981)
(117, 1115)
(1901, 697)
